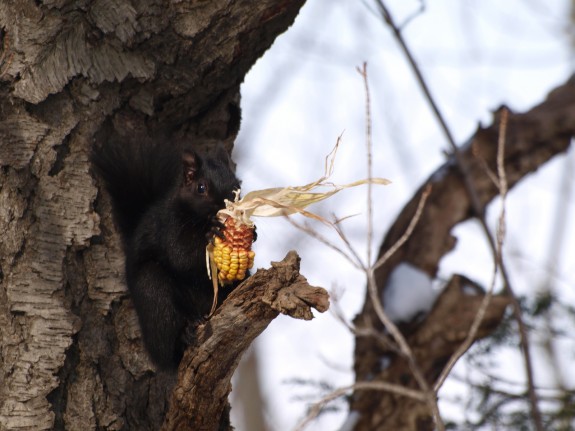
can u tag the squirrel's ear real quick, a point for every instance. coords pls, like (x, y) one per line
(222, 155)
(190, 161)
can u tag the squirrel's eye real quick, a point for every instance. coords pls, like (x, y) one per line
(202, 188)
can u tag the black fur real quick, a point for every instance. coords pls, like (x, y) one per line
(164, 202)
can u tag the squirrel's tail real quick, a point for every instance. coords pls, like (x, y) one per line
(135, 175)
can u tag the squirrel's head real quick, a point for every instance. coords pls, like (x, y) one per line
(206, 181)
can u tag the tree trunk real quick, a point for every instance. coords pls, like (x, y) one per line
(73, 73)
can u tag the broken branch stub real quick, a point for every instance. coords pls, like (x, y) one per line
(200, 396)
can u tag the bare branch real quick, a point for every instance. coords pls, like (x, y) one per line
(501, 181)
(476, 205)
(369, 149)
(388, 18)
(352, 258)
(315, 408)
(430, 396)
(391, 251)
(532, 138)
(517, 312)
(204, 375)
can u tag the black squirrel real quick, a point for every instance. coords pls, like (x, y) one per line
(164, 199)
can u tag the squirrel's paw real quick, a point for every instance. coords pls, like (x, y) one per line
(215, 230)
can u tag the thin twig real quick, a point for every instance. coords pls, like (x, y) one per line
(425, 394)
(476, 203)
(352, 257)
(430, 396)
(315, 409)
(501, 182)
(386, 15)
(339, 230)
(408, 231)
(517, 312)
(477, 156)
(368, 141)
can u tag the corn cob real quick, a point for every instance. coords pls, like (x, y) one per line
(232, 254)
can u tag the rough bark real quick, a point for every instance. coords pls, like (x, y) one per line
(204, 375)
(73, 72)
(533, 138)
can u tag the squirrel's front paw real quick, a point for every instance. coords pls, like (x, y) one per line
(215, 230)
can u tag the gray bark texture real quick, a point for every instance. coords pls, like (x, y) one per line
(72, 73)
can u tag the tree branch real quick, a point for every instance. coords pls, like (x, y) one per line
(204, 376)
(532, 139)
